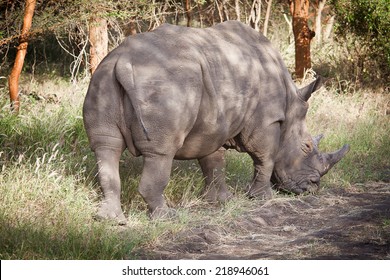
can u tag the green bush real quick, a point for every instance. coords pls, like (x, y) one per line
(370, 21)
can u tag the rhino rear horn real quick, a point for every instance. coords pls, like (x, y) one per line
(306, 91)
(317, 139)
(331, 159)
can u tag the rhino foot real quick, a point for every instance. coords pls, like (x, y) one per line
(213, 195)
(264, 193)
(163, 213)
(108, 212)
(224, 196)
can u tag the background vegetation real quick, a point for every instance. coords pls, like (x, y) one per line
(48, 188)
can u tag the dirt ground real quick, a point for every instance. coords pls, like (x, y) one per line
(336, 223)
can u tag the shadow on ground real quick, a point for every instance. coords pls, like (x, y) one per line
(335, 224)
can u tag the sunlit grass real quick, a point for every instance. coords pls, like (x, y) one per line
(359, 120)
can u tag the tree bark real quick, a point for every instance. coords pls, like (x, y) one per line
(302, 36)
(188, 12)
(13, 79)
(238, 10)
(290, 29)
(220, 12)
(329, 28)
(255, 16)
(318, 29)
(267, 16)
(98, 38)
(225, 10)
(200, 14)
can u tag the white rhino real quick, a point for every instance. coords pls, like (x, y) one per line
(188, 93)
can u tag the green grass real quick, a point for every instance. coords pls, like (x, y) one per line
(359, 120)
(48, 188)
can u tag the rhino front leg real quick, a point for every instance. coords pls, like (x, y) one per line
(263, 152)
(108, 174)
(261, 185)
(213, 167)
(154, 179)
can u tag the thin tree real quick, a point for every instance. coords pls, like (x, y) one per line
(13, 79)
(98, 39)
(320, 7)
(267, 16)
(329, 27)
(188, 12)
(255, 15)
(238, 9)
(302, 35)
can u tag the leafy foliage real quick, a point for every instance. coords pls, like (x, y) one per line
(370, 21)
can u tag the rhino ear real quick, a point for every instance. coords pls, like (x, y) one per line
(306, 91)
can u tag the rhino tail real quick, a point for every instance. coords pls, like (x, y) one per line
(125, 76)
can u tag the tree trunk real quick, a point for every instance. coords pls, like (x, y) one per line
(200, 14)
(255, 16)
(98, 38)
(267, 15)
(188, 12)
(290, 31)
(318, 29)
(329, 28)
(13, 79)
(220, 12)
(238, 10)
(225, 10)
(302, 36)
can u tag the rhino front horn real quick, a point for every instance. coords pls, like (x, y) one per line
(332, 158)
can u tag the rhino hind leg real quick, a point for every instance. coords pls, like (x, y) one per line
(213, 167)
(108, 174)
(155, 176)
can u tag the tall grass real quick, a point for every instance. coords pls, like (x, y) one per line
(46, 187)
(361, 120)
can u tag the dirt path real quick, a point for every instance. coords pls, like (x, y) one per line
(336, 224)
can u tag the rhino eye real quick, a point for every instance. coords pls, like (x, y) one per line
(320, 159)
(307, 147)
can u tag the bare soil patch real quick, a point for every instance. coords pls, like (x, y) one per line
(351, 223)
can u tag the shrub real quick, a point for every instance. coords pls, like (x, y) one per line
(369, 20)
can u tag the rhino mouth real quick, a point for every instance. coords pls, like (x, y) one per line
(298, 186)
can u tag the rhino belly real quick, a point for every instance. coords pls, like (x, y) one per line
(198, 146)
(205, 138)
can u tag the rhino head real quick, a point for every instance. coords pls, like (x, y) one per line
(299, 164)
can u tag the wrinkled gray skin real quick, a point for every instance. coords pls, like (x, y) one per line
(188, 93)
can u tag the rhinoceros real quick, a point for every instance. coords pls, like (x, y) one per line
(191, 93)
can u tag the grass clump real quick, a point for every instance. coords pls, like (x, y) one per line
(47, 213)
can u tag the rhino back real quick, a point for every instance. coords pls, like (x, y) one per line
(198, 88)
